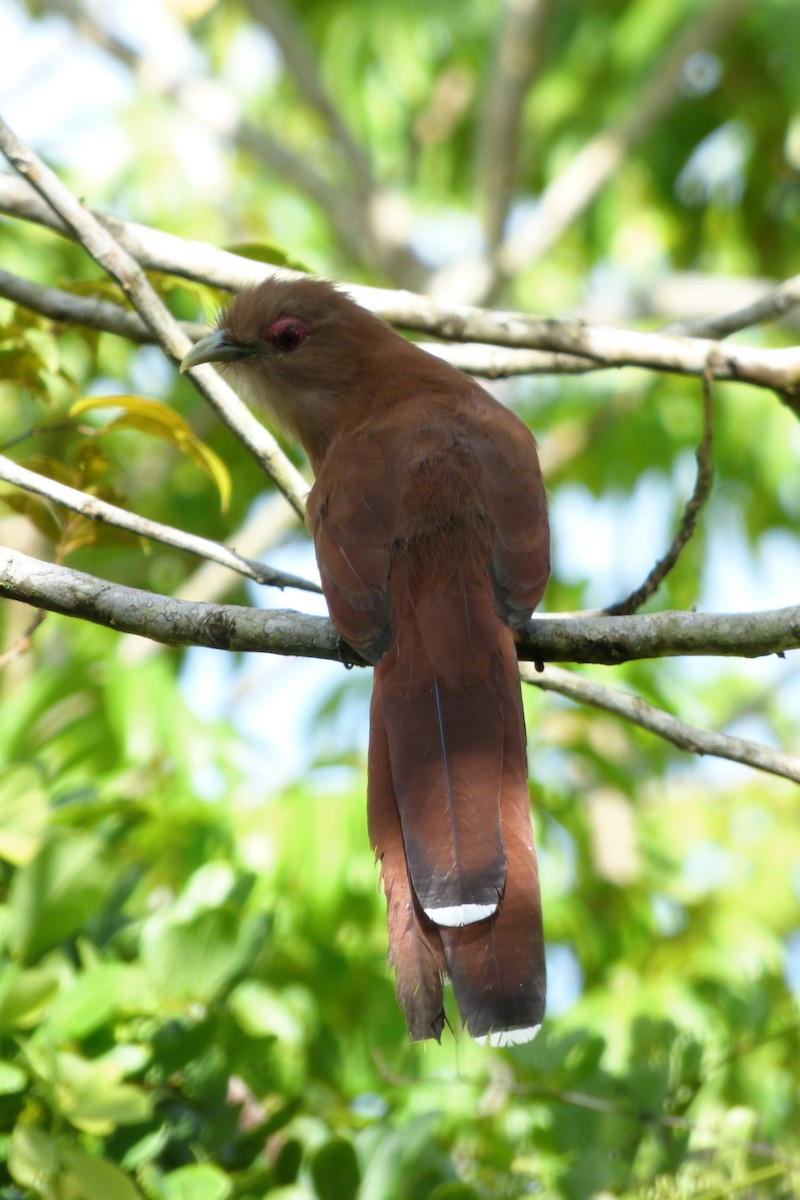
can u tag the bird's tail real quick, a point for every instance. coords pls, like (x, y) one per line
(449, 820)
(415, 947)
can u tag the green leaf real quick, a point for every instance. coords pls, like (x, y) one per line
(400, 1151)
(96, 1178)
(147, 1148)
(261, 1012)
(265, 253)
(45, 347)
(24, 995)
(89, 1002)
(454, 1191)
(88, 1092)
(193, 960)
(200, 1181)
(12, 1078)
(34, 1159)
(287, 1163)
(209, 887)
(40, 513)
(335, 1171)
(104, 1105)
(63, 885)
(23, 812)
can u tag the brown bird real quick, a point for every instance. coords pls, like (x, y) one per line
(430, 526)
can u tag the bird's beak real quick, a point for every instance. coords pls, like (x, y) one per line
(213, 348)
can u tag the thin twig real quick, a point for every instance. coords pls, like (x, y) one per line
(22, 644)
(771, 307)
(100, 510)
(123, 267)
(602, 1104)
(648, 1117)
(688, 523)
(608, 640)
(680, 733)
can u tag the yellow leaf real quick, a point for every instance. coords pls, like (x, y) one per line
(159, 420)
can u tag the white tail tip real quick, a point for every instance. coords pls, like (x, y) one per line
(509, 1037)
(461, 914)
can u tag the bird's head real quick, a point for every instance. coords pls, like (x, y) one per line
(300, 349)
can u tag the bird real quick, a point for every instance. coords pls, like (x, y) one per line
(429, 520)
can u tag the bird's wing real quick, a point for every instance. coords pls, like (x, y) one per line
(352, 514)
(517, 509)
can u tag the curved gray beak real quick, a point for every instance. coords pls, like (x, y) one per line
(214, 347)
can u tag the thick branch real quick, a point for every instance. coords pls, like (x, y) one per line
(612, 640)
(126, 270)
(599, 346)
(69, 308)
(655, 720)
(100, 510)
(154, 249)
(608, 640)
(201, 261)
(162, 618)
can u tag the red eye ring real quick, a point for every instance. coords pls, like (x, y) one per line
(287, 333)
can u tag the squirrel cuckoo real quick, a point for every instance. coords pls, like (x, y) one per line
(430, 526)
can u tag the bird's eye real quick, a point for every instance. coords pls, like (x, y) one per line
(287, 333)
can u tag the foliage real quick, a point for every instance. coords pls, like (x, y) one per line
(194, 1001)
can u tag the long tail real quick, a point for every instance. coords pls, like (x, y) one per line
(497, 967)
(415, 947)
(449, 819)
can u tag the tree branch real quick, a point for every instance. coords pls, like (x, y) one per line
(612, 640)
(68, 308)
(126, 270)
(655, 720)
(100, 510)
(599, 346)
(771, 307)
(162, 618)
(153, 248)
(608, 640)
